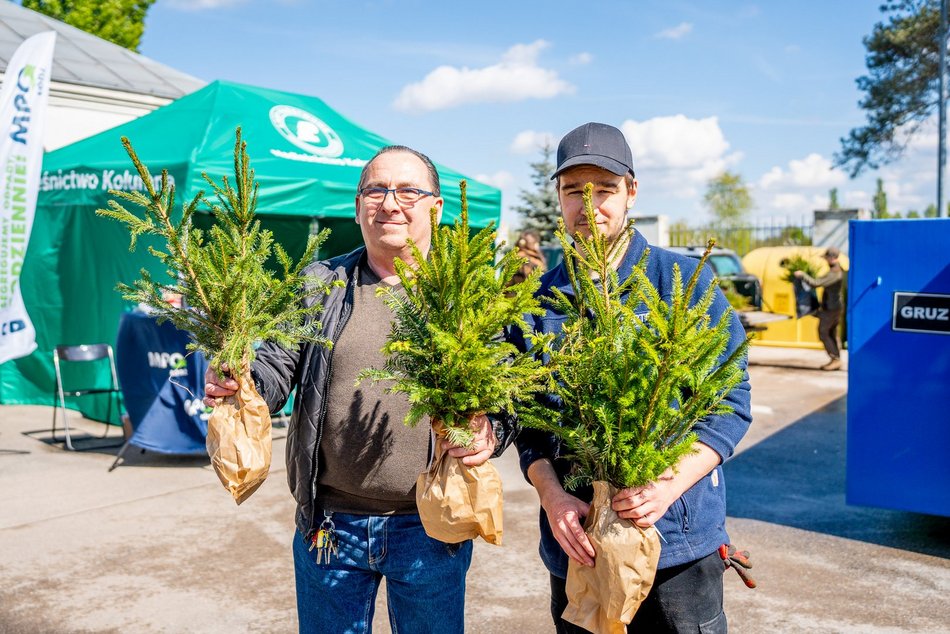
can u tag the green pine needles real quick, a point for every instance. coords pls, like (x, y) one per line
(445, 350)
(633, 386)
(797, 262)
(231, 301)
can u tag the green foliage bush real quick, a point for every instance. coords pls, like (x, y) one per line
(798, 262)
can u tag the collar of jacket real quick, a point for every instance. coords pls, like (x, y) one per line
(635, 249)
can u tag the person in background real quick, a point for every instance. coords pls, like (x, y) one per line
(529, 247)
(831, 308)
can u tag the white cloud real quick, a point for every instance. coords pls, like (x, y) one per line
(674, 157)
(802, 186)
(771, 177)
(529, 142)
(812, 172)
(856, 199)
(515, 78)
(680, 30)
(201, 5)
(675, 143)
(501, 179)
(793, 203)
(581, 59)
(910, 182)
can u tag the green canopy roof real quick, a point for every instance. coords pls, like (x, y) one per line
(306, 156)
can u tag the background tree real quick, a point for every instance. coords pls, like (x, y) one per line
(682, 235)
(913, 214)
(121, 22)
(901, 85)
(728, 199)
(539, 208)
(880, 201)
(793, 236)
(833, 200)
(931, 211)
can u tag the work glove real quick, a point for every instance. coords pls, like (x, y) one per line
(739, 561)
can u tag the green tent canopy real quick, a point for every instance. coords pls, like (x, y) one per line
(306, 157)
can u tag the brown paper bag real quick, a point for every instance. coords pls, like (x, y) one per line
(239, 440)
(457, 502)
(603, 599)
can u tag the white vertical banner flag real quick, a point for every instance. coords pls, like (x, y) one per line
(23, 99)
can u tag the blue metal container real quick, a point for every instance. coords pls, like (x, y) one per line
(899, 365)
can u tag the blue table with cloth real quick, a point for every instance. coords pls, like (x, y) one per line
(162, 385)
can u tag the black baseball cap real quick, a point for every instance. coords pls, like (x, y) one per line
(595, 144)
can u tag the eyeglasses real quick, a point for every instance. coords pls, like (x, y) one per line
(403, 195)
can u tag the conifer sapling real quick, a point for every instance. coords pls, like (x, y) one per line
(797, 262)
(445, 351)
(232, 302)
(633, 385)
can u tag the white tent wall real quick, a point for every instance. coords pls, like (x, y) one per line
(77, 112)
(87, 94)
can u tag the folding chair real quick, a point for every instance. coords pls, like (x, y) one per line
(82, 354)
(127, 433)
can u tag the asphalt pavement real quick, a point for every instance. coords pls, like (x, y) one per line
(158, 546)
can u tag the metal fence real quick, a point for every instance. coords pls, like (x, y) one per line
(742, 239)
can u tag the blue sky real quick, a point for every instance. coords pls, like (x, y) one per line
(764, 89)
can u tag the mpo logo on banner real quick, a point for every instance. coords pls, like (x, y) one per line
(312, 135)
(174, 362)
(23, 99)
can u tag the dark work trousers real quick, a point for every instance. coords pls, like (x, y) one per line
(828, 321)
(685, 598)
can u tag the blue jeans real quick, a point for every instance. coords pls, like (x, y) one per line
(425, 578)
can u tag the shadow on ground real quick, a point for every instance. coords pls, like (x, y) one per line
(793, 366)
(134, 456)
(796, 478)
(82, 441)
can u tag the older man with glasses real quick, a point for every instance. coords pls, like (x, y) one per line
(351, 463)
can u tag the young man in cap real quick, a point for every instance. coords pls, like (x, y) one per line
(829, 312)
(687, 504)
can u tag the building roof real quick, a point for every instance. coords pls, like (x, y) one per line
(86, 60)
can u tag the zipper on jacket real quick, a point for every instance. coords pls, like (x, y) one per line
(685, 515)
(344, 317)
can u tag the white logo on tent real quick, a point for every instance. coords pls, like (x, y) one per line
(306, 131)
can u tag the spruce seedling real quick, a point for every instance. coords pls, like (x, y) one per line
(445, 351)
(633, 386)
(231, 301)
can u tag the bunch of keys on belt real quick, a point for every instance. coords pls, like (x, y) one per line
(324, 540)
